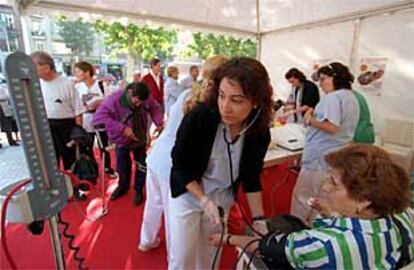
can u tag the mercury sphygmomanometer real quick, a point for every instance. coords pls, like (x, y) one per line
(49, 190)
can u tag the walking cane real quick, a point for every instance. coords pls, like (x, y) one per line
(102, 174)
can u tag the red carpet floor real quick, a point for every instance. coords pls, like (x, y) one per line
(111, 242)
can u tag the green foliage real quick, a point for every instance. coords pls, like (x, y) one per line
(141, 42)
(206, 45)
(77, 35)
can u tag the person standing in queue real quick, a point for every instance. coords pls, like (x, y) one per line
(63, 106)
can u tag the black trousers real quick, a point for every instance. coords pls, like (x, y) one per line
(105, 143)
(61, 129)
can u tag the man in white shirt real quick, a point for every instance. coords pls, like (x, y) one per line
(192, 78)
(63, 106)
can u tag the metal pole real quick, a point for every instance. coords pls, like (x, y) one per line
(56, 244)
(258, 34)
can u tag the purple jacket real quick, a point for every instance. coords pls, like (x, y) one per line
(116, 117)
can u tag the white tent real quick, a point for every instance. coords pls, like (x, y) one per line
(290, 33)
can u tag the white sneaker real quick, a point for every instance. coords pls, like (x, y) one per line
(145, 248)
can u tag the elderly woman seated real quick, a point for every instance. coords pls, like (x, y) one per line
(364, 221)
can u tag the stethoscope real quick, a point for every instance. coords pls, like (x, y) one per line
(229, 143)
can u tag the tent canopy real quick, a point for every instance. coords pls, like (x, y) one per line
(246, 17)
(290, 33)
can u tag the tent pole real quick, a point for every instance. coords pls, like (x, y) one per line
(258, 34)
(354, 48)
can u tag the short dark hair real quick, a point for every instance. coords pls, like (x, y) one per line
(295, 73)
(85, 67)
(254, 80)
(193, 67)
(368, 173)
(44, 58)
(342, 77)
(154, 61)
(139, 90)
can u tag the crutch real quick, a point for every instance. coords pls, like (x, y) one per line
(102, 173)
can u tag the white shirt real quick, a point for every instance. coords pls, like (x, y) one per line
(159, 158)
(156, 78)
(5, 101)
(171, 93)
(187, 82)
(88, 96)
(60, 98)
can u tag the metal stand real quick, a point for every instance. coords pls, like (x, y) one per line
(56, 244)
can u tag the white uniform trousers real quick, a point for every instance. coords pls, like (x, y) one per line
(158, 192)
(190, 229)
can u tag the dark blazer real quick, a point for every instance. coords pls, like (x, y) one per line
(193, 146)
(310, 95)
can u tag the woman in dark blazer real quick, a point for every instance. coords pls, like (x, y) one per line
(220, 144)
(304, 95)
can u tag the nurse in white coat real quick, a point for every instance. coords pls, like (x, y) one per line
(159, 162)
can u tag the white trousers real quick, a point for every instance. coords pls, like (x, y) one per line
(158, 192)
(308, 185)
(190, 229)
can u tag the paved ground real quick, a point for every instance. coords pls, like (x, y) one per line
(13, 166)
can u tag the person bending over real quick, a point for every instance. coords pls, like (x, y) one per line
(220, 144)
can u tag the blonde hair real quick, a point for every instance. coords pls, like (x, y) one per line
(171, 70)
(198, 89)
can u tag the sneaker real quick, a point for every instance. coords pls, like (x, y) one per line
(119, 192)
(111, 173)
(79, 195)
(145, 248)
(14, 143)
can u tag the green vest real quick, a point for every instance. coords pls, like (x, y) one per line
(364, 132)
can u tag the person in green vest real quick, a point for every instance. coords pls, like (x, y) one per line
(364, 132)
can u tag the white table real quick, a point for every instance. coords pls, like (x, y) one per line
(279, 155)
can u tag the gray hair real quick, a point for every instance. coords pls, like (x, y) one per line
(44, 58)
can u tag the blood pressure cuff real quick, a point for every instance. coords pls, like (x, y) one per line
(272, 245)
(272, 248)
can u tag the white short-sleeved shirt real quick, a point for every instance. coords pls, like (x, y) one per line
(340, 108)
(61, 99)
(87, 96)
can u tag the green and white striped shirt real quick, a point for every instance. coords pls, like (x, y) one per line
(350, 243)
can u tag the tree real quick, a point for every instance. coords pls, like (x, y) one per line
(77, 35)
(140, 43)
(206, 45)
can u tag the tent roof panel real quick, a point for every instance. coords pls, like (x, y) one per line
(227, 15)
